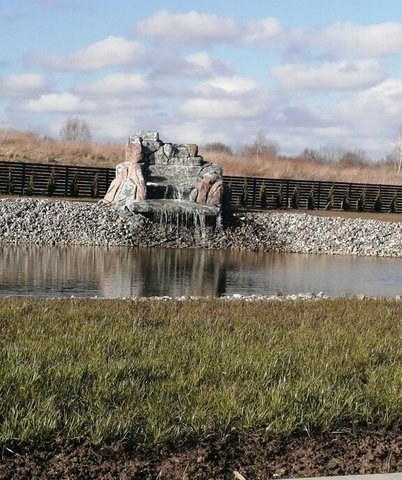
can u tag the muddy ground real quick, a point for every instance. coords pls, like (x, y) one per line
(253, 455)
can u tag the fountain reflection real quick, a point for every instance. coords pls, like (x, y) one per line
(140, 272)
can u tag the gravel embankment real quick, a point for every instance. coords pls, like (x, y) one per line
(55, 222)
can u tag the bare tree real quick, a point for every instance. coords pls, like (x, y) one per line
(259, 143)
(261, 146)
(75, 130)
(335, 155)
(396, 154)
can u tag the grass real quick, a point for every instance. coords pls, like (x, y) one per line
(299, 168)
(28, 146)
(146, 371)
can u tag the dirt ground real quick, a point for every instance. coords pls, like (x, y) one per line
(252, 455)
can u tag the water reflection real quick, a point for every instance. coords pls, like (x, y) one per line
(137, 272)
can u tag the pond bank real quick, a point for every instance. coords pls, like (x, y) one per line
(54, 222)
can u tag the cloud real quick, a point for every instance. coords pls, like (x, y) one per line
(200, 64)
(342, 38)
(216, 108)
(23, 85)
(119, 92)
(188, 28)
(232, 97)
(65, 102)
(300, 116)
(201, 60)
(374, 105)
(368, 40)
(167, 63)
(365, 120)
(194, 28)
(229, 86)
(346, 75)
(110, 52)
(261, 31)
(116, 84)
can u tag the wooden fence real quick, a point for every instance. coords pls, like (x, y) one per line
(21, 176)
(246, 193)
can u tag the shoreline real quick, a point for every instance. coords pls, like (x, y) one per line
(49, 222)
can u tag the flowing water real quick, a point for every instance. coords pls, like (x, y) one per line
(139, 272)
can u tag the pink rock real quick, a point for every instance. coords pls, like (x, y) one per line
(215, 193)
(134, 153)
(115, 185)
(135, 173)
(204, 186)
(192, 149)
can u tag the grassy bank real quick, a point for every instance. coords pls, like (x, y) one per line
(151, 371)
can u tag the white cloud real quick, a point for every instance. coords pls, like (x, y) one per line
(226, 86)
(23, 85)
(365, 40)
(374, 104)
(366, 120)
(342, 38)
(200, 64)
(201, 60)
(193, 65)
(188, 28)
(111, 52)
(194, 28)
(116, 84)
(261, 31)
(190, 131)
(59, 102)
(329, 76)
(232, 97)
(218, 108)
(116, 126)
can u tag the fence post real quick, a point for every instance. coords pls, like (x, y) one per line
(287, 194)
(66, 184)
(350, 194)
(319, 195)
(254, 190)
(23, 179)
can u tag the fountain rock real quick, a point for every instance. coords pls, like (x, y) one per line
(166, 180)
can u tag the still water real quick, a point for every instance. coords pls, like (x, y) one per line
(142, 272)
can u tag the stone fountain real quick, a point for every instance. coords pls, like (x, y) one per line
(166, 181)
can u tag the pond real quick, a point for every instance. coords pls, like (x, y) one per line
(143, 272)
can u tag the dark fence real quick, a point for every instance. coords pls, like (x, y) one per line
(255, 193)
(20, 178)
(243, 192)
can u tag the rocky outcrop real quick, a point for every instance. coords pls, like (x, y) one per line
(158, 176)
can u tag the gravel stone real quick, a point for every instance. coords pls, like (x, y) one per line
(56, 222)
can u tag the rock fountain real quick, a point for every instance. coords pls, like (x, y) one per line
(166, 181)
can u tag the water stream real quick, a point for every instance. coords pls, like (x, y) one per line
(138, 272)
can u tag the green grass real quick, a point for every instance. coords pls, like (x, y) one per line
(148, 371)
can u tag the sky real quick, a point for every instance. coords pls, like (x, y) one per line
(304, 73)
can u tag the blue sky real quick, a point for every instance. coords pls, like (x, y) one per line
(305, 73)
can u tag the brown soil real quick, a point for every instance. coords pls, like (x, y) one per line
(254, 456)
